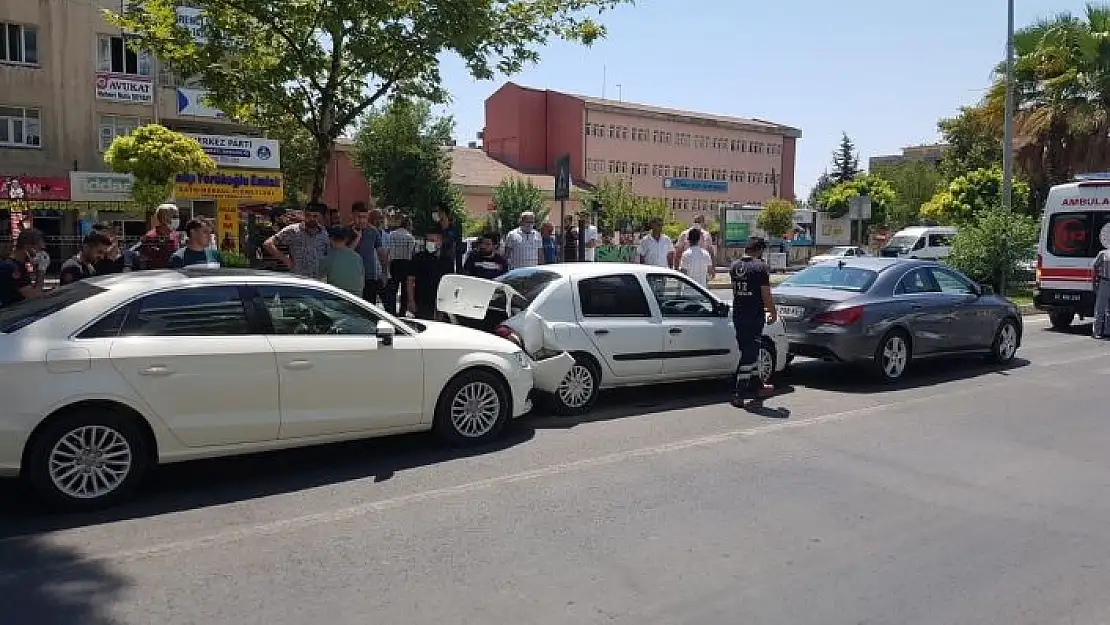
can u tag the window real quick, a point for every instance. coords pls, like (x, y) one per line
(112, 126)
(108, 326)
(624, 132)
(300, 310)
(680, 298)
(22, 314)
(198, 311)
(19, 44)
(940, 240)
(834, 277)
(613, 296)
(952, 283)
(666, 137)
(916, 282)
(117, 58)
(19, 127)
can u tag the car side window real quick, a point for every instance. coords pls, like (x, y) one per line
(916, 282)
(680, 298)
(920, 244)
(613, 296)
(197, 311)
(952, 283)
(939, 240)
(108, 326)
(308, 311)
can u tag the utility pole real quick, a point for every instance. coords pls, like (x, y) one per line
(1008, 124)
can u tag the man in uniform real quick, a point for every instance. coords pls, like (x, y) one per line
(752, 308)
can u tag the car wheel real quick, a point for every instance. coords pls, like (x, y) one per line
(87, 460)
(579, 389)
(1005, 342)
(1061, 319)
(472, 409)
(893, 356)
(765, 361)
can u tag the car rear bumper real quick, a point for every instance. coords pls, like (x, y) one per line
(827, 342)
(1081, 302)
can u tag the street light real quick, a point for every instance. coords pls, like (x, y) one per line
(1008, 123)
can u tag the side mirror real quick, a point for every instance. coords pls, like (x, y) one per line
(385, 331)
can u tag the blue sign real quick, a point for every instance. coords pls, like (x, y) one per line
(690, 184)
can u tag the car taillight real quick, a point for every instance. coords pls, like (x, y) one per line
(1040, 263)
(841, 317)
(508, 333)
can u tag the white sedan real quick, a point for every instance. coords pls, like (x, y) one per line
(624, 325)
(838, 253)
(106, 377)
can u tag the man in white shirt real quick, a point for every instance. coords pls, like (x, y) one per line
(656, 248)
(696, 262)
(684, 238)
(524, 245)
(592, 239)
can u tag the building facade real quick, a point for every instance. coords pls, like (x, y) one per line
(68, 87)
(931, 154)
(694, 161)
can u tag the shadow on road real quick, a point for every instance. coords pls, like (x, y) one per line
(46, 584)
(841, 378)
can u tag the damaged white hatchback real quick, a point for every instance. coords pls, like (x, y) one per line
(622, 325)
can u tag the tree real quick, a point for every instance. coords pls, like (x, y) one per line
(989, 248)
(620, 208)
(401, 151)
(296, 158)
(776, 218)
(515, 196)
(824, 183)
(974, 139)
(914, 183)
(837, 200)
(155, 156)
(324, 63)
(960, 202)
(845, 161)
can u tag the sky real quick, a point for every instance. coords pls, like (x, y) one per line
(883, 71)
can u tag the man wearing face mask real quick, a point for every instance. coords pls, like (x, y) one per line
(485, 262)
(524, 245)
(427, 268)
(159, 244)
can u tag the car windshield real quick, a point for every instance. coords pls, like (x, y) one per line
(903, 242)
(529, 282)
(841, 278)
(838, 251)
(20, 315)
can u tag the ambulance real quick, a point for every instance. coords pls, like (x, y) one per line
(1074, 214)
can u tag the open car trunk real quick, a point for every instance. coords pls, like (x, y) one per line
(485, 304)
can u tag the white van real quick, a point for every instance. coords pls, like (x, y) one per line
(924, 242)
(1074, 213)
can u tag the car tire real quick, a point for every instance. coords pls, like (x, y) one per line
(1061, 319)
(473, 409)
(95, 450)
(766, 352)
(1005, 344)
(579, 390)
(893, 356)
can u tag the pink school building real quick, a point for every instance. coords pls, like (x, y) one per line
(695, 161)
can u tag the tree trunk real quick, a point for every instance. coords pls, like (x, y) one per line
(320, 163)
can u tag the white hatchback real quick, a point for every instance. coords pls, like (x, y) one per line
(624, 324)
(104, 378)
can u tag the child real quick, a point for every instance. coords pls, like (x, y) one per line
(696, 262)
(343, 266)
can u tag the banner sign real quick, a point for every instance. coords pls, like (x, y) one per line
(225, 184)
(245, 152)
(128, 89)
(87, 186)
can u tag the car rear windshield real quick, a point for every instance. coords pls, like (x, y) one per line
(841, 278)
(529, 282)
(1075, 235)
(20, 315)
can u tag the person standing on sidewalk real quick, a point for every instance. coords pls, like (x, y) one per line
(17, 274)
(307, 242)
(656, 248)
(427, 270)
(1100, 266)
(369, 243)
(83, 264)
(696, 261)
(344, 267)
(402, 245)
(159, 244)
(752, 308)
(523, 245)
(198, 249)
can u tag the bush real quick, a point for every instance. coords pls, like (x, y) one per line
(989, 247)
(776, 218)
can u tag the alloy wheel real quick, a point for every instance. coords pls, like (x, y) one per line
(475, 409)
(577, 387)
(90, 462)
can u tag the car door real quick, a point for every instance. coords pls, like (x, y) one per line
(614, 313)
(335, 375)
(927, 311)
(697, 339)
(973, 320)
(194, 355)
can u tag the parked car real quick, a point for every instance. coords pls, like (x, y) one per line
(841, 251)
(924, 242)
(887, 312)
(624, 324)
(105, 377)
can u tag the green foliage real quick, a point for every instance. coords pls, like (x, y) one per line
(621, 209)
(989, 247)
(235, 259)
(845, 161)
(776, 218)
(515, 196)
(914, 183)
(974, 140)
(837, 200)
(400, 150)
(968, 195)
(824, 183)
(155, 155)
(297, 161)
(674, 229)
(323, 64)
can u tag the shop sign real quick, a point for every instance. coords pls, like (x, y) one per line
(88, 186)
(32, 188)
(128, 89)
(245, 152)
(225, 184)
(227, 225)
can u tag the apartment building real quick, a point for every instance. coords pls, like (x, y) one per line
(929, 153)
(695, 161)
(68, 87)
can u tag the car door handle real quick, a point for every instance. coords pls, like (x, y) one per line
(298, 365)
(675, 330)
(154, 370)
(601, 332)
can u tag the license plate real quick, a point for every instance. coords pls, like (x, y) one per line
(791, 312)
(1068, 297)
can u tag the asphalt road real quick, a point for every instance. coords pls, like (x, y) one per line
(966, 494)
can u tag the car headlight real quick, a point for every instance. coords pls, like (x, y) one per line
(523, 360)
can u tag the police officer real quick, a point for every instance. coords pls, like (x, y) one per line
(752, 308)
